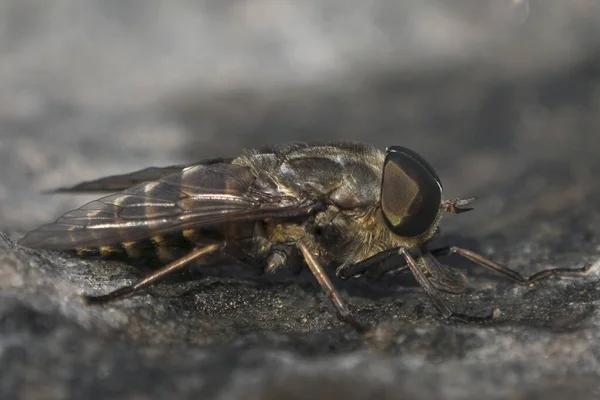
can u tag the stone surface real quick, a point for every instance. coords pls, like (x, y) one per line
(501, 97)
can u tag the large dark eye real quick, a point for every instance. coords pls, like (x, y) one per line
(411, 192)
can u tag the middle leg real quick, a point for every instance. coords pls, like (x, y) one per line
(327, 286)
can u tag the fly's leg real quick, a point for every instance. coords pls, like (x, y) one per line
(501, 269)
(283, 255)
(420, 276)
(384, 268)
(434, 294)
(375, 266)
(327, 286)
(154, 277)
(243, 258)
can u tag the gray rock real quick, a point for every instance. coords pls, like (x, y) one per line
(503, 100)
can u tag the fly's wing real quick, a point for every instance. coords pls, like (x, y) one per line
(199, 195)
(116, 183)
(444, 278)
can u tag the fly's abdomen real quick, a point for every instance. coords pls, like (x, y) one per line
(158, 249)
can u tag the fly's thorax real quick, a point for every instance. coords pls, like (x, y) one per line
(344, 174)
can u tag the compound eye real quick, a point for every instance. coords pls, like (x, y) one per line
(411, 192)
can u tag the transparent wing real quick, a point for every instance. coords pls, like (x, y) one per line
(199, 195)
(116, 183)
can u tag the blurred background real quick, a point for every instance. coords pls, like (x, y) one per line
(500, 95)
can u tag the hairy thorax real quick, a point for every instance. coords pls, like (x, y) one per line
(346, 178)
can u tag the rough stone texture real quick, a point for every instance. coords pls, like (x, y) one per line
(502, 99)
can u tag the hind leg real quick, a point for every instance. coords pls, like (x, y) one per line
(175, 266)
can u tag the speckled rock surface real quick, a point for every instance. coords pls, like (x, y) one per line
(502, 98)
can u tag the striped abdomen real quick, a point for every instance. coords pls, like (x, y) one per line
(158, 249)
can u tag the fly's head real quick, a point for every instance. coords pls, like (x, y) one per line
(411, 199)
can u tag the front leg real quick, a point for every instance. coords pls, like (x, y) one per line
(418, 269)
(375, 266)
(503, 270)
